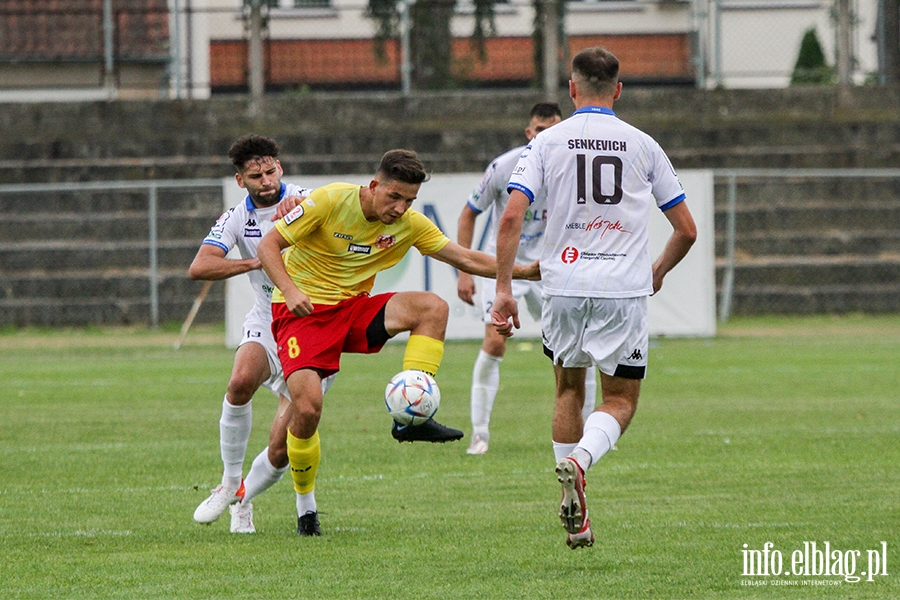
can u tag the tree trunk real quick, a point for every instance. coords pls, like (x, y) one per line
(431, 44)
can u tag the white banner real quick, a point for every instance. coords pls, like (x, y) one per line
(684, 307)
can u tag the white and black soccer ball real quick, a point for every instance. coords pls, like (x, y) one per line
(412, 397)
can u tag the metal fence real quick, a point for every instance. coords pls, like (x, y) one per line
(808, 241)
(99, 253)
(180, 48)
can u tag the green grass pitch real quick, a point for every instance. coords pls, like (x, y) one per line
(780, 430)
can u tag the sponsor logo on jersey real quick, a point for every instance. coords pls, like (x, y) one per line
(223, 218)
(599, 224)
(603, 225)
(343, 236)
(569, 255)
(602, 255)
(293, 215)
(250, 232)
(535, 215)
(385, 241)
(359, 249)
(251, 222)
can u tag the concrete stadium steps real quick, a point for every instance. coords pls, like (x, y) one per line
(829, 242)
(89, 226)
(59, 256)
(820, 299)
(110, 297)
(803, 244)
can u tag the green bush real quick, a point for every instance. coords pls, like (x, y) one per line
(811, 68)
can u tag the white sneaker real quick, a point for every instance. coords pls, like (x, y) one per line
(479, 445)
(220, 499)
(242, 518)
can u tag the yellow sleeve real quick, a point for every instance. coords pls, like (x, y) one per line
(427, 238)
(305, 217)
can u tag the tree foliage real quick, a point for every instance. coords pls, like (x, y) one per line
(431, 41)
(811, 67)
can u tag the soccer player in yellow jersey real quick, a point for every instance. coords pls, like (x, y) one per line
(334, 244)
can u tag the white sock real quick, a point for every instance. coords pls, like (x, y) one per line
(262, 476)
(601, 432)
(590, 392)
(560, 451)
(306, 503)
(485, 382)
(234, 433)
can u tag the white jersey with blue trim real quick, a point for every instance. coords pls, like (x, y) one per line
(602, 178)
(243, 226)
(491, 194)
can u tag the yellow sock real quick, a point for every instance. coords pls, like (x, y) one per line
(423, 353)
(304, 456)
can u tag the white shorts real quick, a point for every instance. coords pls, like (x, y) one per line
(258, 329)
(521, 288)
(611, 333)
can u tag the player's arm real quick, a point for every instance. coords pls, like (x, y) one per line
(211, 264)
(504, 311)
(480, 263)
(465, 284)
(269, 251)
(683, 236)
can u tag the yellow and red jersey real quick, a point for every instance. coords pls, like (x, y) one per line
(335, 252)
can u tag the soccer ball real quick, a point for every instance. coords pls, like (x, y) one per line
(412, 397)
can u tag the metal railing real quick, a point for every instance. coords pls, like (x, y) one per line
(152, 188)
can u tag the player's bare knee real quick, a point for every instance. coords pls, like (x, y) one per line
(434, 307)
(240, 391)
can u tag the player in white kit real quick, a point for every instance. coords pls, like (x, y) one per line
(602, 178)
(491, 195)
(256, 361)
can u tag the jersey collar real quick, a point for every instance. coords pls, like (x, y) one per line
(248, 203)
(594, 109)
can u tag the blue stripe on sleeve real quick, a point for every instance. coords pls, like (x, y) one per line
(216, 244)
(521, 188)
(672, 203)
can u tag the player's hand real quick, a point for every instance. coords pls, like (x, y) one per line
(503, 310)
(286, 206)
(254, 263)
(657, 278)
(530, 272)
(465, 288)
(298, 303)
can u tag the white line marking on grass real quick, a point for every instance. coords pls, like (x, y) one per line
(78, 533)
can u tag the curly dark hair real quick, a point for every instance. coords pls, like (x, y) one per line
(251, 147)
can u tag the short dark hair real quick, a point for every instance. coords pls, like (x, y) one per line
(546, 110)
(402, 165)
(596, 70)
(251, 147)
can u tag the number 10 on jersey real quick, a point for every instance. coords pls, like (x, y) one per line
(605, 177)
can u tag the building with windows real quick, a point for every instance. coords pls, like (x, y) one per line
(194, 48)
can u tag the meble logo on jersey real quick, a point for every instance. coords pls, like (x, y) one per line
(599, 224)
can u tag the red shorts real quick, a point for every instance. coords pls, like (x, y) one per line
(317, 340)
